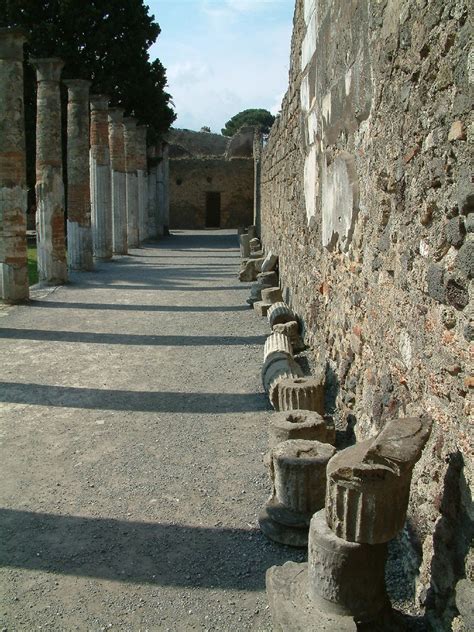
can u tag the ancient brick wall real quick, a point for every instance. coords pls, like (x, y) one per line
(367, 199)
(192, 178)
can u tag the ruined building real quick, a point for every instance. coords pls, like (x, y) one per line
(211, 179)
(367, 199)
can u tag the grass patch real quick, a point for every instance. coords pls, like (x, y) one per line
(32, 265)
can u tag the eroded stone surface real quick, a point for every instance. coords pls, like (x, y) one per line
(300, 424)
(13, 191)
(298, 474)
(369, 483)
(280, 313)
(50, 229)
(345, 578)
(101, 184)
(79, 231)
(305, 393)
(277, 344)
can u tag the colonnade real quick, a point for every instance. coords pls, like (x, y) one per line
(114, 201)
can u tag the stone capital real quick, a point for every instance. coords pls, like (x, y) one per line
(11, 43)
(78, 89)
(47, 68)
(115, 115)
(130, 122)
(99, 101)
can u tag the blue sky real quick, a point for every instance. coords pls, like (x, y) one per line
(223, 56)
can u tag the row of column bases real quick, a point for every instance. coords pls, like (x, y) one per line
(113, 202)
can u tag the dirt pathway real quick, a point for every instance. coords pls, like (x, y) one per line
(132, 428)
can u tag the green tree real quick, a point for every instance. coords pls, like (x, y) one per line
(102, 40)
(259, 117)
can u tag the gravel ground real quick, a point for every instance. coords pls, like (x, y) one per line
(132, 430)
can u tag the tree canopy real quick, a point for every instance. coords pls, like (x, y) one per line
(259, 117)
(102, 40)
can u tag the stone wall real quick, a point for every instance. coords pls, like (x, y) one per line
(191, 179)
(367, 198)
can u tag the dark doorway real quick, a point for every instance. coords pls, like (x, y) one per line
(213, 209)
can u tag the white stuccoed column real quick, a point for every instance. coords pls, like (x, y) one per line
(152, 194)
(50, 225)
(101, 193)
(142, 183)
(13, 191)
(119, 191)
(79, 231)
(130, 138)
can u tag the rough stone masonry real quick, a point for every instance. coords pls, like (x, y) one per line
(367, 199)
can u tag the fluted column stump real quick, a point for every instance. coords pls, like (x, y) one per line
(130, 140)
(101, 195)
(117, 164)
(50, 223)
(79, 231)
(13, 192)
(142, 183)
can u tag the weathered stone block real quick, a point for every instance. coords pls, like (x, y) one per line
(435, 282)
(277, 344)
(455, 232)
(280, 313)
(270, 262)
(291, 329)
(345, 578)
(261, 308)
(268, 279)
(302, 393)
(465, 260)
(369, 483)
(300, 424)
(272, 295)
(275, 370)
(298, 473)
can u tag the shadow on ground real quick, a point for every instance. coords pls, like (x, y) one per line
(137, 552)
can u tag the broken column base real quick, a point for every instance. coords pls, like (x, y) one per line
(261, 308)
(292, 609)
(281, 525)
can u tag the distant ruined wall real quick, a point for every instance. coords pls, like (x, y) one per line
(191, 179)
(366, 197)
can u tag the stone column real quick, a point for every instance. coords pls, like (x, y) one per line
(166, 189)
(79, 233)
(160, 190)
(101, 198)
(117, 163)
(142, 183)
(130, 139)
(13, 196)
(50, 228)
(152, 194)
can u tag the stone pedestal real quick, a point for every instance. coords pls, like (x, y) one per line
(305, 393)
(298, 473)
(50, 228)
(345, 578)
(101, 188)
(14, 285)
(130, 138)
(79, 232)
(117, 164)
(300, 424)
